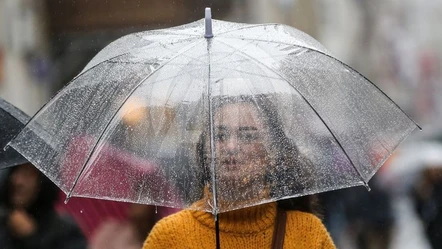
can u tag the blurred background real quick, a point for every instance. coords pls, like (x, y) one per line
(394, 43)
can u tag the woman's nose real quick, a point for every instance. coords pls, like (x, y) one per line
(231, 144)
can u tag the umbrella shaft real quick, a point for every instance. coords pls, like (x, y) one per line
(217, 232)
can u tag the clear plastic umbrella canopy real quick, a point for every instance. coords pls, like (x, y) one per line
(254, 114)
(12, 120)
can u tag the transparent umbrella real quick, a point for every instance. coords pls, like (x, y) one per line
(12, 120)
(247, 115)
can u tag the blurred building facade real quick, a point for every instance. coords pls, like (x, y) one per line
(24, 60)
(45, 43)
(395, 43)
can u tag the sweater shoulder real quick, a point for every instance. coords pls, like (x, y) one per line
(308, 229)
(306, 222)
(168, 231)
(182, 215)
(174, 222)
(309, 218)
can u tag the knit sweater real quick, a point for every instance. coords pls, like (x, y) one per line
(245, 228)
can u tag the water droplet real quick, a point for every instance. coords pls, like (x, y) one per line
(81, 211)
(156, 209)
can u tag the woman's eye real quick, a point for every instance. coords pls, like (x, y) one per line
(248, 136)
(221, 136)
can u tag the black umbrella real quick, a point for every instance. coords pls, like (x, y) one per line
(12, 120)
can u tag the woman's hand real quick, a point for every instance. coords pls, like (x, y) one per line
(21, 223)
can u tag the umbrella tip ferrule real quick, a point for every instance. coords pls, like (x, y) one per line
(367, 187)
(7, 146)
(68, 197)
(208, 23)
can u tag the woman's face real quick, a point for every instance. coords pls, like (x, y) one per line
(240, 144)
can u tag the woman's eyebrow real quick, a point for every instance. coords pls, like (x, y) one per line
(221, 127)
(247, 128)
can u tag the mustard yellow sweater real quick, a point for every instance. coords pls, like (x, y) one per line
(245, 228)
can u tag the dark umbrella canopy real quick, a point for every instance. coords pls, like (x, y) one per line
(12, 120)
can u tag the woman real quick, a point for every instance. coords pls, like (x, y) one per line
(250, 148)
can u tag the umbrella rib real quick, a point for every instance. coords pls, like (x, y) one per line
(261, 25)
(333, 58)
(250, 26)
(190, 46)
(164, 31)
(314, 110)
(212, 134)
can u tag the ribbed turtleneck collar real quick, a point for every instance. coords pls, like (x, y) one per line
(243, 221)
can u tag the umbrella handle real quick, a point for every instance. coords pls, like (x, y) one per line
(208, 23)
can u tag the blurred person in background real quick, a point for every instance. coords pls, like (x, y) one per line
(427, 197)
(27, 215)
(370, 216)
(357, 218)
(130, 233)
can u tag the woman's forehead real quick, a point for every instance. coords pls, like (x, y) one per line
(238, 114)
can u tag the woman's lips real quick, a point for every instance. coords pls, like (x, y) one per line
(230, 163)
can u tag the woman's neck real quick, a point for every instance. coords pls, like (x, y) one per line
(231, 197)
(247, 220)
